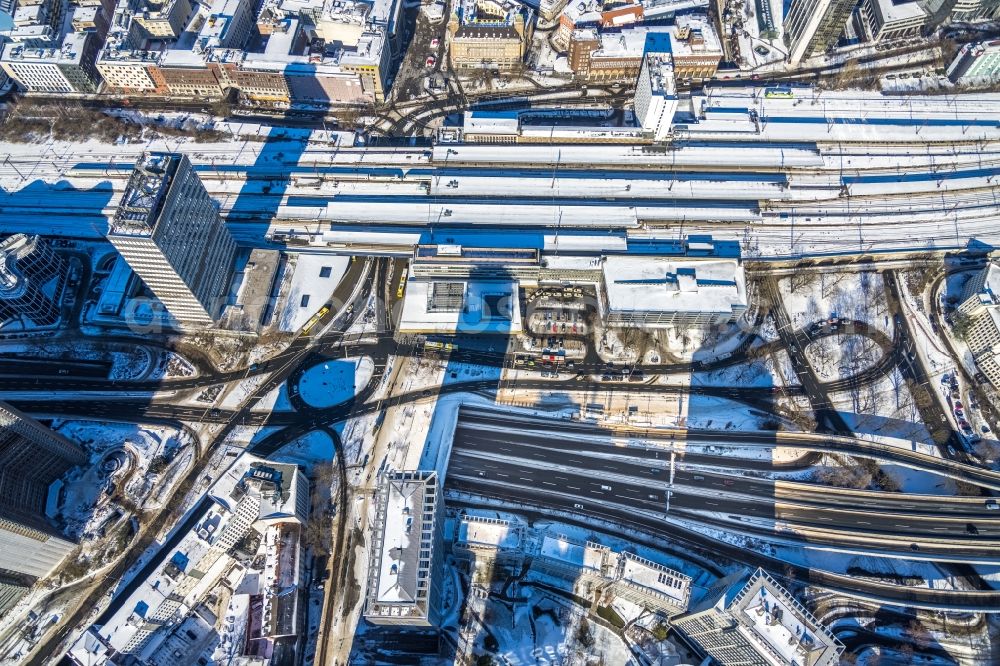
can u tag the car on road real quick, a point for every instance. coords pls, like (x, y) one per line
(431, 61)
(985, 428)
(577, 506)
(603, 487)
(992, 505)
(971, 529)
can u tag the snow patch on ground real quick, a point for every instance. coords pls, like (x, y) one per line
(758, 373)
(884, 408)
(306, 451)
(309, 285)
(812, 297)
(334, 381)
(707, 412)
(839, 356)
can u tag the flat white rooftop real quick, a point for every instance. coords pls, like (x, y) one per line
(460, 306)
(654, 284)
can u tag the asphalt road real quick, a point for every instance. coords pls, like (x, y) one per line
(603, 473)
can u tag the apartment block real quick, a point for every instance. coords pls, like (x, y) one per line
(53, 46)
(748, 618)
(486, 34)
(617, 56)
(980, 300)
(890, 19)
(406, 552)
(316, 53)
(694, 47)
(253, 498)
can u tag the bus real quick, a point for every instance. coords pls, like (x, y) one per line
(315, 318)
(402, 285)
(779, 92)
(549, 357)
(434, 346)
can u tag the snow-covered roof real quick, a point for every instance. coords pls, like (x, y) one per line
(489, 532)
(633, 155)
(65, 46)
(991, 283)
(486, 306)
(779, 628)
(138, 610)
(400, 554)
(776, 622)
(656, 577)
(700, 38)
(624, 44)
(403, 546)
(491, 122)
(582, 11)
(140, 205)
(568, 551)
(656, 284)
(807, 114)
(280, 487)
(893, 11)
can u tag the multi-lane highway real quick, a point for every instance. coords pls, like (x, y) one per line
(501, 459)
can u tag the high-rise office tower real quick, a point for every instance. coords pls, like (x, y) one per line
(959, 11)
(748, 618)
(812, 26)
(27, 268)
(170, 232)
(32, 457)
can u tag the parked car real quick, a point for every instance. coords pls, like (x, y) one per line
(431, 61)
(435, 43)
